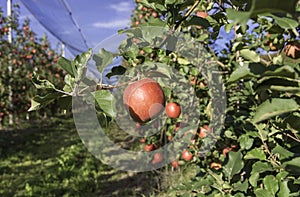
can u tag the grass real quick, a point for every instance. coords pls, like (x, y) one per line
(47, 158)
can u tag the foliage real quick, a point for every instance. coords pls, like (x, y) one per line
(26, 54)
(257, 152)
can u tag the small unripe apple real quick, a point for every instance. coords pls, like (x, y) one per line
(144, 100)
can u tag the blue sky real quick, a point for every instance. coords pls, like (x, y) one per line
(98, 19)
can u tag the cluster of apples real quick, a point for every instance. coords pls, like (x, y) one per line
(143, 14)
(145, 100)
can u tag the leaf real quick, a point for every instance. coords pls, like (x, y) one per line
(234, 165)
(38, 102)
(195, 20)
(250, 55)
(245, 142)
(282, 152)
(106, 101)
(103, 59)
(256, 153)
(292, 164)
(271, 184)
(42, 84)
(67, 66)
(293, 121)
(259, 192)
(156, 69)
(241, 186)
(247, 71)
(260, 167)
(284, 189)
(261, 7)
(80, 62)
(274, 107)
(253, 179)
(284, 22)
(282, 71)
(117, 70)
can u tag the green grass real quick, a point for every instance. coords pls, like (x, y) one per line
(49, 159)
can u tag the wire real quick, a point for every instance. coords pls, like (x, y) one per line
(74, 21)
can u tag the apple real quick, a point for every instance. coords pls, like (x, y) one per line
(143, 140)
(157, 158)
(154, 14)
(186, 155)
(173, 110)
(202, 132)
(175, 164)
(149, 147)
(144, 100)
(292, 49)
(201, 14)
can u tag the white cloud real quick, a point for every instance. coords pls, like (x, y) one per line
(122, 7)
(112, 24)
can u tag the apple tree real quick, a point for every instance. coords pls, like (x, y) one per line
(26, 54)
(256, 151)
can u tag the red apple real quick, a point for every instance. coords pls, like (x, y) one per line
(144, 100)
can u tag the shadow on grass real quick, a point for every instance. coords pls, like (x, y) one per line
(49, 159)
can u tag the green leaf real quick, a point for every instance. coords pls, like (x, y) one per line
(282, 152)
(274, 107)
(38, 102)
(67, 66)
(253, 179)
(234, 165)
(293, 164)
(195, 20)
(106, 101)
(282, 71)
(80, 63)
(241, 186)
(260, 167)
(245, 142)
(259, 192)
(103, 59)
(42, 84)
(117, 70)
(247, 71)
(293, 121)
(256, 153)
(284, 22)
(250, 55)
(284, 189)
(156, 69)
(261, 7)
(271, 184)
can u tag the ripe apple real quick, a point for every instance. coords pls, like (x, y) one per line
(154, 14)
(157, 158)
(173, 110)
(148, 147)
(143, 140)
(144, 100)
(175, 164)
(292, 49)
(201, 14)
(186, 155)
(202, 132)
